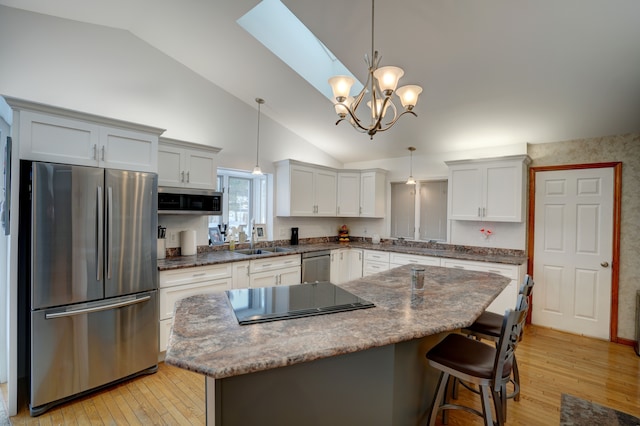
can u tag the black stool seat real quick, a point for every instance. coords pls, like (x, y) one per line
(467, 356)
(488, 324)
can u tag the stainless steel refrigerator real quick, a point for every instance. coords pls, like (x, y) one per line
(93, 276)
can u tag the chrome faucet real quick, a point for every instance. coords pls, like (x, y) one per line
(253, 232)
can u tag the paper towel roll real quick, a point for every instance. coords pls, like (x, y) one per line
(188, 242)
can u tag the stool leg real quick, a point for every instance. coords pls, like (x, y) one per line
(437, 400)
(486, 405)
(516, 379)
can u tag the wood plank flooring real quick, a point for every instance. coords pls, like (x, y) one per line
(551, 363)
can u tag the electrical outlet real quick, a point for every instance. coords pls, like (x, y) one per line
(172, 236)
(283, 232)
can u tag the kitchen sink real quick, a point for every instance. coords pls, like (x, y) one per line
(264, 250)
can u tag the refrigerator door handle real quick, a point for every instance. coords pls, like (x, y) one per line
(109, 230)
(99, 234)
(96, 308)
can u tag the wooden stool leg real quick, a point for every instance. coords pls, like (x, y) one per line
(516, 379)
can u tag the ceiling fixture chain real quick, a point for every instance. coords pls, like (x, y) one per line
(256, 169)
(380, 87)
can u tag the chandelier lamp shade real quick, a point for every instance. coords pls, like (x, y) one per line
(411, 180)
(377, 94)
(256, 169)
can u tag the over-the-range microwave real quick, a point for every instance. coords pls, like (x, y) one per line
(189, 201)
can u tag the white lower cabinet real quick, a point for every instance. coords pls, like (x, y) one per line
(375, 261)
(272, 271)
(241, 277)
(178, 284)
(509, 296)
(346, 265)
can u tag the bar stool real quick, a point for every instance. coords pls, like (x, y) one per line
(472, 361)
(488, 326)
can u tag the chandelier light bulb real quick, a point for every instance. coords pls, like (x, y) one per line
(409, 95)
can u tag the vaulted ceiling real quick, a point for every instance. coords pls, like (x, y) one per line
(494, 72)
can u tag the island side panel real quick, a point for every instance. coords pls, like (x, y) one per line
(392, 384)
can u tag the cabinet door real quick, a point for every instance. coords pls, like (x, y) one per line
(61, 140)
(241, 274)
(325, 192)
(302, 186)
(348, 194)
(503, 192)
(201, 170)
(289, 276)
(170, 166)
(372, 194)
(263, 279)
(354, 260)
(465, 192)
(128, 150)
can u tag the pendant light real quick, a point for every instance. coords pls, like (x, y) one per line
(256, 169)
(411, 180)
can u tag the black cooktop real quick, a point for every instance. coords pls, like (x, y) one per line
(254, 305)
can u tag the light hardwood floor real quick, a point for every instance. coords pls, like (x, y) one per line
(551, 363)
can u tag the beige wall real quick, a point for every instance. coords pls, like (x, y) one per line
(624, 148)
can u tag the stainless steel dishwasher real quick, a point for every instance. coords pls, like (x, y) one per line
(316, 266)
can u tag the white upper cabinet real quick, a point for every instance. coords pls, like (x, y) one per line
(57, 135)
(305, 190)
(348, 194)
(489, 190)
(372, 193)
(186, 165)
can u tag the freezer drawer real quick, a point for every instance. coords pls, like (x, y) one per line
(84, 346)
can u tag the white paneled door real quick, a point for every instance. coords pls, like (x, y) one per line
(573, 250)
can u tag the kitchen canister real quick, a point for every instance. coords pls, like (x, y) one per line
(188, 242)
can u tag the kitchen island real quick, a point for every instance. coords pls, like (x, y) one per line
(360, 367)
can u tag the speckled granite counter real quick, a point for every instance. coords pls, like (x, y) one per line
(384, 344)
(445, 251)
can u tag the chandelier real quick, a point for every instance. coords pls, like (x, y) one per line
(380, 86)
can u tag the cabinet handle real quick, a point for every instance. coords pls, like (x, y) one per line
(187, 177)
(483, 212)
(95, 151)
(479, 215)
(458, 267)
(201, 274)
(182, 178)
(102, 153)
(247, 270)
(338, 209)
(360, 210)
(266, 264)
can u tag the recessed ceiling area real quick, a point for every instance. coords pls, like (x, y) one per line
(494, 73)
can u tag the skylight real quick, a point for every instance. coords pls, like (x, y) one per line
(280, 31)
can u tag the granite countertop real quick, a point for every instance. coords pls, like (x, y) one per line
(207, 339)
(451, 252)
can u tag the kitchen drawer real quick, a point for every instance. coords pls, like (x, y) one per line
(170, 295)
(397, 259)
(376, 256)
(509, 271)
(372, 267)
(274, 262)
(165, 330)
(195, 275)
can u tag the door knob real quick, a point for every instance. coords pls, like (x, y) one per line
(604, 264)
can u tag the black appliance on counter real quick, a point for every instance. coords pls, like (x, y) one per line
(294, 236)
(255, 305)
